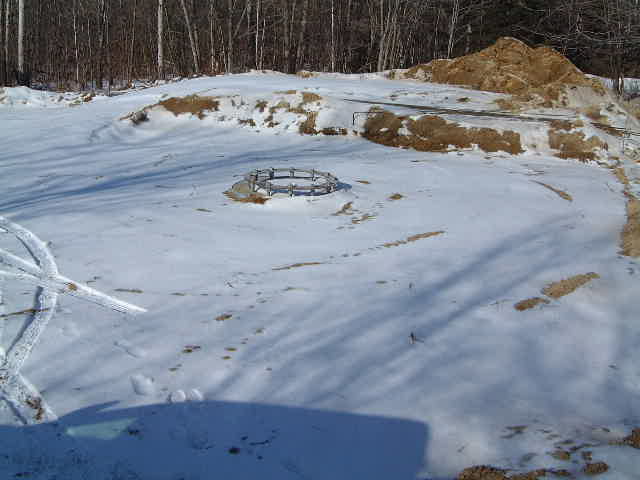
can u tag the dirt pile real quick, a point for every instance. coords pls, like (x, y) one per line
(508, 66)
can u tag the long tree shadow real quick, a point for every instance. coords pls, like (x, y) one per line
(214, 439)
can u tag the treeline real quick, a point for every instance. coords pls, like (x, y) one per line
(94, 43)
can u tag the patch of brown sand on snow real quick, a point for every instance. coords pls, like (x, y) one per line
(530, 303)
(564, 287)
(558, 192)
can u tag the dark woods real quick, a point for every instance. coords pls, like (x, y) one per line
(80, 44)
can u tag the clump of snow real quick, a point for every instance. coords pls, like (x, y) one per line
(24, 97)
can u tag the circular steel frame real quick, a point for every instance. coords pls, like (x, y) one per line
(322, 183)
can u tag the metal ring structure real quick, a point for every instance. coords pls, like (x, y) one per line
(322, 183)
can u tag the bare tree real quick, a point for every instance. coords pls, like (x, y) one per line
(192, 40)
(160, 44)
(22, 80)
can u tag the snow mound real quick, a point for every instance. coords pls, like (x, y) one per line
(292, 110)
(30, 98)
(308, 113)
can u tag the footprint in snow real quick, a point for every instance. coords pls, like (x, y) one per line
(192, 395)
(142, 384)
(130, 348)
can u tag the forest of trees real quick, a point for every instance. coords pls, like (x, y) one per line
(84, 44)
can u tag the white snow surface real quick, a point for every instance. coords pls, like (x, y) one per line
(243, 369)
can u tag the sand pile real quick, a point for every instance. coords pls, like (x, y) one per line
(508, 66)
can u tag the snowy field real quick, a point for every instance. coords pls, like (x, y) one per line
(357, 335)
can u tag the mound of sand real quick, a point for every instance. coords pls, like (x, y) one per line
(508, 66)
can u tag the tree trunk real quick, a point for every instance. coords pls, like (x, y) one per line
(452, 27)
(333, 38)
(192, 40)
(303, 27)
(75, 42)
(230, 37)
(160, 45)
(2, 58)
(21, 73)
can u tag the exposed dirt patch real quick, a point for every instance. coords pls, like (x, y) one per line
(310, 97)
(193, 104)
(249, 198)
(332, 131)
(575, 145)
(308, 127)
(297, 265)
(633, 440)
(595, 468)
(630, 236)
(223, 317)
(509, 104)
(568, 285)
(305, 74)
(363, 218)
(248, 121)
(345, 209)
(484, 472)
(364, 182)
(558, 192)
(396, 196)
(431, 133)
(530, 303)
(412, 238)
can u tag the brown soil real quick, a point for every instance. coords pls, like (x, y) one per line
(396, 196)
(223, 317)
(297, 265)
(364, 218)
(193, 104)
(633, 440)
(412, 238)
(261, 105)
(560, 193)
(565, 287)
(630, 237)
(484, 472)
(309, 97)
(575, 145)
(331, 131)
(431, 133)
(529, 303)
(561, 455)
(345, 210)
(250, 198)
(308, 127)
(595, 468)
(508, 66)
(622, 176)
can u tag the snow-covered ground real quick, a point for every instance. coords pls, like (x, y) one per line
(358, 335)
